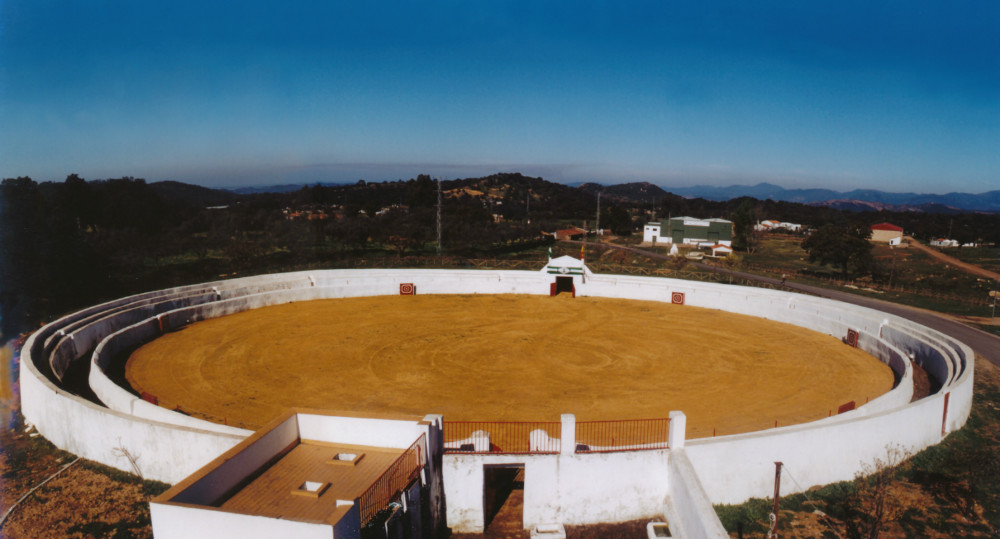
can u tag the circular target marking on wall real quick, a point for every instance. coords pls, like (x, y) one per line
(407, 289)
(677, 298)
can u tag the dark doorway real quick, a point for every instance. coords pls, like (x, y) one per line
(503, 499)
(565, 284)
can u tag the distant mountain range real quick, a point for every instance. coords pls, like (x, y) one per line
(283, 188)
(635, 193)
(185, 192)
(868, 199)
(856, 200)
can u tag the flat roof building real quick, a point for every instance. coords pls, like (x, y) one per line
(314, 474)
(689, 230)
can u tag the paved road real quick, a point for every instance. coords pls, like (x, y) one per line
(983, 343)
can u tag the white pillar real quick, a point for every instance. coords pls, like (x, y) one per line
(568, 434)
(678, 425)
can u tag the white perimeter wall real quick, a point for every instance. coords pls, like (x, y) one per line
(171, 446)
(571, 489)
(177, 522)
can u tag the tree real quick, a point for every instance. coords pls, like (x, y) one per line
(844, 247)
(745, 234)
(872, 504)
(617, 219)
(21, 230)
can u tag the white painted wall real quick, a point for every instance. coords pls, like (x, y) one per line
(567, 488)
(651, 232)
(689, 511)
(361, 430)
(239, 465)
(165, 452)
(176, 522)
(735, 468)
(817, 453)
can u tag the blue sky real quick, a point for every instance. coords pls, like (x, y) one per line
(901, 96)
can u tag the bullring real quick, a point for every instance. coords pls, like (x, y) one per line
(819, 452)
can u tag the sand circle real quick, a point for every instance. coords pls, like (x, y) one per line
(506, 357)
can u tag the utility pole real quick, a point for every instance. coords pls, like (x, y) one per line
(771, 534)
(527, 207)
(439, 217)
(598, 225)
(893, 270)
(995, 295)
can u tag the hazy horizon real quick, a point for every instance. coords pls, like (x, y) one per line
(843, 96)
(489, 172)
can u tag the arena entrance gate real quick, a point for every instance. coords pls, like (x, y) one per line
(503, 492)
(562, 284)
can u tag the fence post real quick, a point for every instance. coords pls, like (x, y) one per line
(678, 424)
(567, 443)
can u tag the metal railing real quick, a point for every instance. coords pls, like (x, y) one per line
(622, 435)
(393, 481)
(509, 437)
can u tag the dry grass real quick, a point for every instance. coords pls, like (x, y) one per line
(948, 490)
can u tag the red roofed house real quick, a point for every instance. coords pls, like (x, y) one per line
(569, 233)
(887, 233)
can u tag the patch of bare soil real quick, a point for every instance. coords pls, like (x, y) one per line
(919, 517)
(86, 500)
(921, 383)
(976, 320)
(82, 503)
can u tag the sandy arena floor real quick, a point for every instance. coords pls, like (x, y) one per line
(506, 357)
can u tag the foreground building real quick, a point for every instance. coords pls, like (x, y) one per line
(315, 474)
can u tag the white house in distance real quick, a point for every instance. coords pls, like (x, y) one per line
(887, 233)
(943, 242)
(770, 225)
(690, 231)
(721, 250)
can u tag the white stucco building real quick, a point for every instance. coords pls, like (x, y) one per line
(315, 474)
(770, 225)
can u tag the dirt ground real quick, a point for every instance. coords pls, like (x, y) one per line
(85, 500)
(928, 503)
(969, 268)
(506, 357)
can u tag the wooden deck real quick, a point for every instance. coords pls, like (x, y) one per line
(276, 492)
